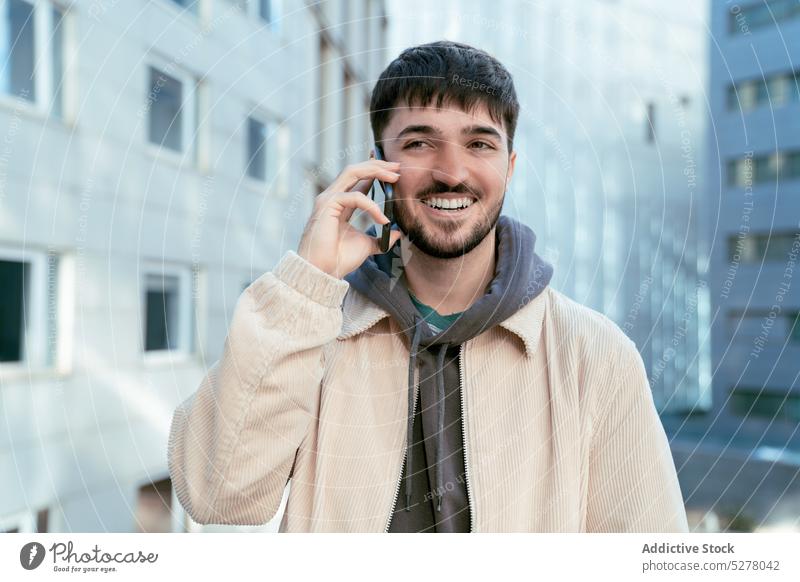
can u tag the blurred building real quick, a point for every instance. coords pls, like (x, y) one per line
(745, 461)
(611, 151)
(609, 142)
(157, 156)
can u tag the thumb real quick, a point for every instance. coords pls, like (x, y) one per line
(394, 236)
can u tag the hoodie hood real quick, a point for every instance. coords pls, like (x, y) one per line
(520, 275)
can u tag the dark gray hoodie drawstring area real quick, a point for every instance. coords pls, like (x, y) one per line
(520, 275)
(440, 404)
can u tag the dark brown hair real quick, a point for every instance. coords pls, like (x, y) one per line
(452, 73)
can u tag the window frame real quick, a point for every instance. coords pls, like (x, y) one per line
(276, 10)
(264, 148)
(43, 102)
(193, 14)
(772, 167)
(780, 89)
(252, 9)
(191, 101)
(186, 301)
(765, 243)
(276, 140)
(793, 324)
(650, 123)
(788, 410)
(34, 341)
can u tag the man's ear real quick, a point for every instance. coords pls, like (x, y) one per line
(512, 160)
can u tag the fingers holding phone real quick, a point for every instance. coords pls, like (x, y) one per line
(329, 242)
(360, 176)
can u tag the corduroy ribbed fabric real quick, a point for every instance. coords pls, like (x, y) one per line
(561, 431)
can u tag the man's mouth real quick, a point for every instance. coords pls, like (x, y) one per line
(452, 204)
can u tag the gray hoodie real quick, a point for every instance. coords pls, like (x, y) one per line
(434, 466)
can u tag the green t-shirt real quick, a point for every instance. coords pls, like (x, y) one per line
(436, 321)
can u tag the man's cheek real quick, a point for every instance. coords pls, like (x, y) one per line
(403, 191)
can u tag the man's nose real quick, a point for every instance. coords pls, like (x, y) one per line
(450, 167)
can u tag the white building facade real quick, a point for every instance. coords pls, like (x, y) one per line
(156, 157)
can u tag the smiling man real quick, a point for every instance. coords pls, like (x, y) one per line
(443, 386)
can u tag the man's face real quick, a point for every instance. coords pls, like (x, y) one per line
(447, 156)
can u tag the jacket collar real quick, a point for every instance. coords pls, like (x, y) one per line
(359, 314)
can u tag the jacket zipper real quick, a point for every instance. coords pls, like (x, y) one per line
(463, 438)
(464, 435)
(405, 458)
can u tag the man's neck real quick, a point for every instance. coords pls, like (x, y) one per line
(452, 285)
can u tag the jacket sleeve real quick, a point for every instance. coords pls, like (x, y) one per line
(633, 485)
(232, 444)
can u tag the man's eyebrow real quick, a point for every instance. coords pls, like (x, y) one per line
(426, 129)
(470, 130)
(481, 130)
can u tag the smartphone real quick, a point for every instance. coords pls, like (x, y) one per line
(388, 201)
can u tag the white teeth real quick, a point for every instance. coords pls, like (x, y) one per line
(448, 203)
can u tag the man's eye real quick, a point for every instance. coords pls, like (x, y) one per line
(413, 144)
(488, 146)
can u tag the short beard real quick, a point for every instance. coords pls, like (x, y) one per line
(420, 238)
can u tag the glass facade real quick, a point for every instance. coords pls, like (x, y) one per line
(771, 167)
(761, 14)
(753, 205)
(765, 246)
(609, 153)
(754, 402)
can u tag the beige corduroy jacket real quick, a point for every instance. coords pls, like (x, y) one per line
(560, 430)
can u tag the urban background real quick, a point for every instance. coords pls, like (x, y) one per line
(157, 156)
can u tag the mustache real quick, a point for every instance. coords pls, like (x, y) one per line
(438, 187)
